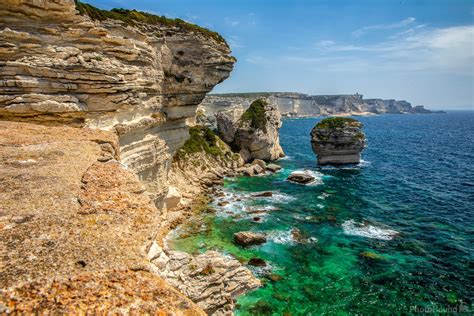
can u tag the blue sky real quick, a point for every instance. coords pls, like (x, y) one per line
(418, 50)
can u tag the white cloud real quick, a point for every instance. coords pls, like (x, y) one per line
(449, 50)
(391, 26)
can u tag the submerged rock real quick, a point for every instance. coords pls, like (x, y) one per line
(300, 177)
(263, 194)
(247, 238)
(338, 141)
(253, 132)
(257, 262)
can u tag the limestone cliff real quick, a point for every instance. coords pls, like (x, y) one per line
(130, 72)
(303, 105)
(338, 141)
(253, 132)
(84, 189)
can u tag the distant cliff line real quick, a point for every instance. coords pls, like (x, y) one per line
(293, 104)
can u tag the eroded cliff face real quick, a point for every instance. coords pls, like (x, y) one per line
(85, 188)
(141, 80)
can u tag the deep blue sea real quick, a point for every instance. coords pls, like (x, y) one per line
(393, 235)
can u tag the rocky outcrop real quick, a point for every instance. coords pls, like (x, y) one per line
(210, 279)
(303, 105)
(253, 132)
(338, 141)
(130, 72)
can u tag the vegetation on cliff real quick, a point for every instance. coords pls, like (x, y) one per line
(134, 17)
(338, 122)
(255, 114)
(202, 139)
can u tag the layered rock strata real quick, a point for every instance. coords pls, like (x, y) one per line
(253, 132)
(133, 75)
(338, 141)
(95, 195)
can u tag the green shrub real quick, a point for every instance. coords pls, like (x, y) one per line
(255, 114)
(134, 17)
(338, 122)
(201, 139)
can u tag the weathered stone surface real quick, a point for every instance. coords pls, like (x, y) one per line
(212, 280)
(111, 292)
(338, 141)
(247, 238)
(78, 220)
(253, 132)
(142, 81)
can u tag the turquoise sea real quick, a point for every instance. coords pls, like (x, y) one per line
(393, 235)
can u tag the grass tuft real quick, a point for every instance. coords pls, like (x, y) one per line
(134, 18)
(338, 122)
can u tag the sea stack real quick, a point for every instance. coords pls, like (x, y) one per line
(338, 141)
(253, 132)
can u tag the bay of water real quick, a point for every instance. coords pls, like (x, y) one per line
(392, 235)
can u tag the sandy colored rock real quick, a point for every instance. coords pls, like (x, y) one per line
(117, 292)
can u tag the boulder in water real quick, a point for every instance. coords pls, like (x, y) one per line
(301, 177)
(272, 167)
(257, 262)
(246, 238)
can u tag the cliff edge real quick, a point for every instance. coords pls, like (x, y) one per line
(94, 106)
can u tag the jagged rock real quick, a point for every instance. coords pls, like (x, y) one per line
(252, 170)
(254, 132)
(300, 177)
(259, 162)
(173, 198)
(338, 141)
(247, 238)
(273, 167)
(210, 279)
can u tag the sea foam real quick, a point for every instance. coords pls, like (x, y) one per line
(350, 227)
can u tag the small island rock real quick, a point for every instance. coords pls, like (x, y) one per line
(338, 141)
